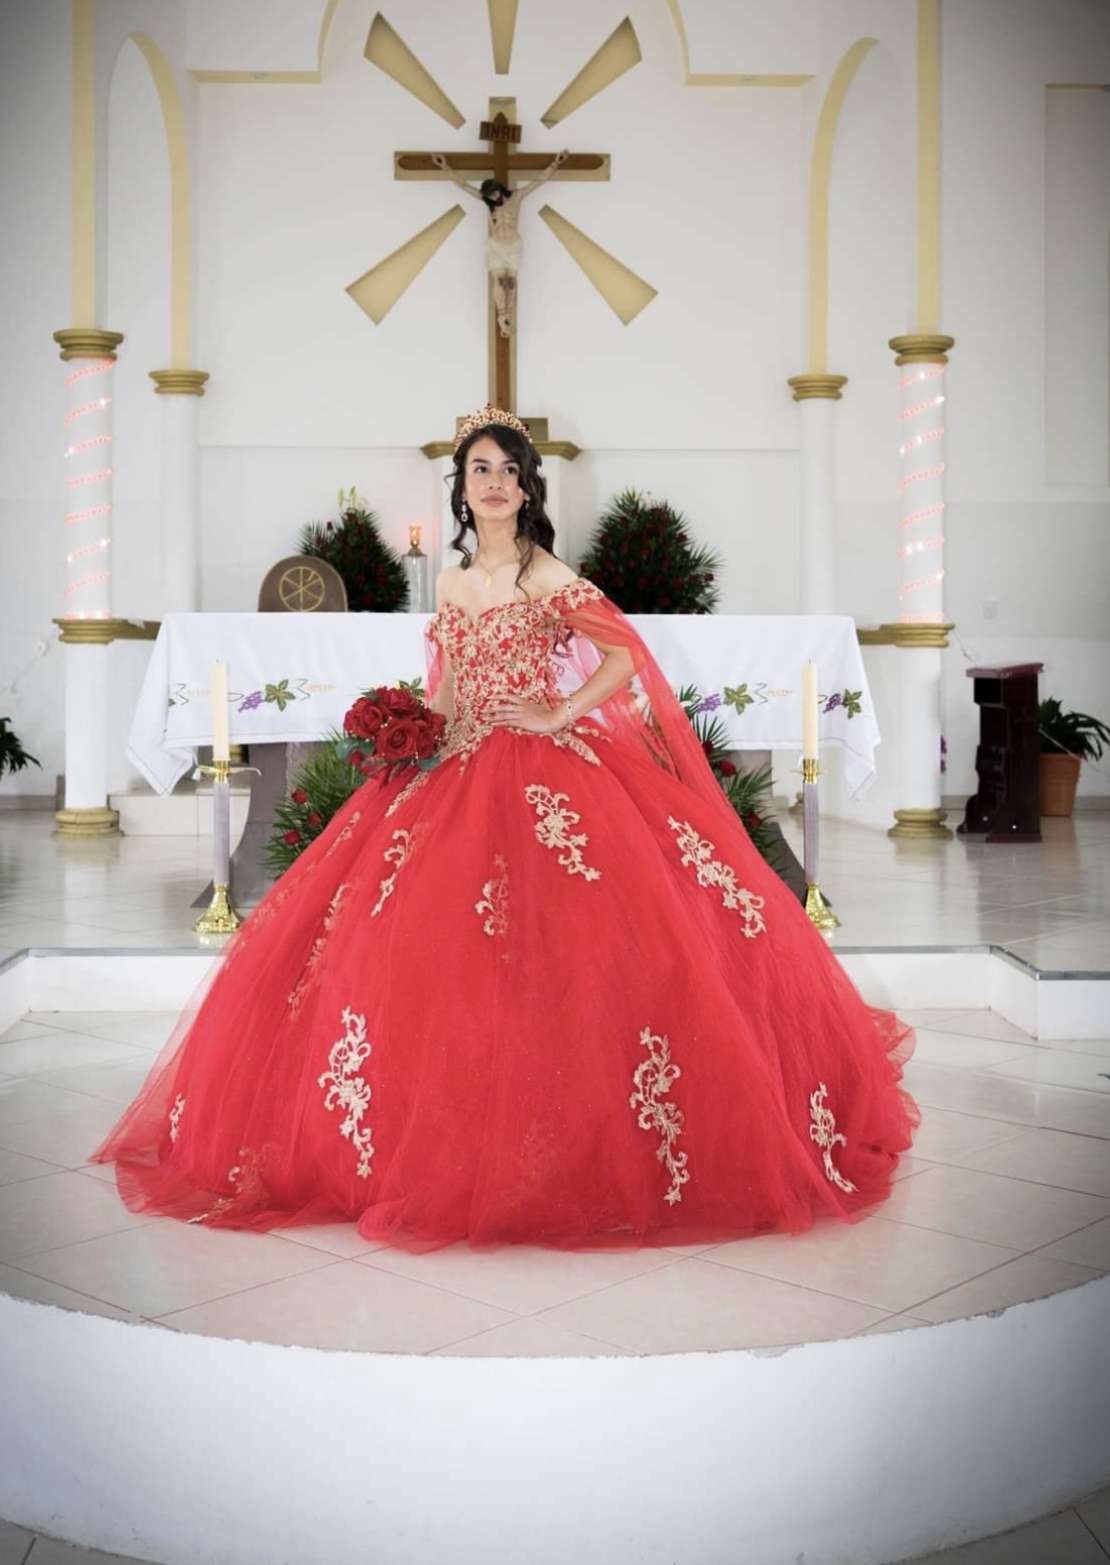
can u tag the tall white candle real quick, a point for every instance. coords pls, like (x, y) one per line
(809, 711)
(220, 747)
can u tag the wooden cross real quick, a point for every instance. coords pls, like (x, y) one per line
(500, 132)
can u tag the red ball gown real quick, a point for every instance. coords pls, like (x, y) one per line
(545, 992)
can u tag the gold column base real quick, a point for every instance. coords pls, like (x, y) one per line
(816, 384)
(920, 825)
(95, 821)
(219, 918)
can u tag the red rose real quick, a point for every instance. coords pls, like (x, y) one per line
(727, 769)
(400, 703)
(356, 757)
(363, 720)
(291, 838)
(399, 740)
(707, 747)
(314, 820)
(425, 744)
(752, 821)
(299, 796)
(438, 722)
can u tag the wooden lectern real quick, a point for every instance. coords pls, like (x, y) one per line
(1008, 755)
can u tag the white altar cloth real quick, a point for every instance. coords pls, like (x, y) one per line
(293, 676)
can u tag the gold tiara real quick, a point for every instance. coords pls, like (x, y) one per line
(486, 416)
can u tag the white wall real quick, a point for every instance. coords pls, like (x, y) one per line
(295, 198)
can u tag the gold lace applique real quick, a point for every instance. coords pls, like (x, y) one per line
(175, 1116)
(494, 900)
(698, 851)
(415, 782)
(568, 738)
(318, 945)
(824, 1132)
(347, 1090)
(344, 834)
(249, 1187)
(397, 855)
(653, 1080)
(551, 829)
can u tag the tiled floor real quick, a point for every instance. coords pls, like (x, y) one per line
(1006, 1197)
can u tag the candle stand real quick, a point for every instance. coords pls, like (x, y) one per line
(820, 914)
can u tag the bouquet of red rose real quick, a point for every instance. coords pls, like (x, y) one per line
(389, 729)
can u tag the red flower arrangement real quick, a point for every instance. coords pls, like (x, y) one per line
(389, 728)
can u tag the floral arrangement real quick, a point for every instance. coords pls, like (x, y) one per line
(13, 757)
(642, 558)
(372, 572)
(387, 730)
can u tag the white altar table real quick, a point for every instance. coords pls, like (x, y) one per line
(293, 676)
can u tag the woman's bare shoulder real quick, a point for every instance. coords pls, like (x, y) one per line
(447, 585)
(548, 574)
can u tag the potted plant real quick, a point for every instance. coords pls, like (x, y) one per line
(1067, 738)
(13, 757)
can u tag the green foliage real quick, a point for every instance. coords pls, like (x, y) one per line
(327, 780)
(1070, 733)
(747, 792)
(373, 575)
(13, 757)
(641, 557)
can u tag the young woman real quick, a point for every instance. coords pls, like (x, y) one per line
(546, 992)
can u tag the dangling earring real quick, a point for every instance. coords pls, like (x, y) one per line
(464, 514)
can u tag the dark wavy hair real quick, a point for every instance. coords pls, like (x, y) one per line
(532, 520)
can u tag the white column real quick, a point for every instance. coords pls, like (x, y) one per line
(179, 488)
(86, 620)
(921, 629)
(816, 392)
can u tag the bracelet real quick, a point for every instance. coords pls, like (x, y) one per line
(570, 713)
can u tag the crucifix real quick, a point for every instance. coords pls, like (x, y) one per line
(496, 168)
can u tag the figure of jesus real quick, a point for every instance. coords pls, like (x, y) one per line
(503, 239)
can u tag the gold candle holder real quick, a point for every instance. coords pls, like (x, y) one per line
(818, 911)
(220, 916)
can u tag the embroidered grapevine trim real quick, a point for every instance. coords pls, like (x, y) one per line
(653, 1080)
(347, 1090)
(551, 829)
(698, 851)
(824, 1132)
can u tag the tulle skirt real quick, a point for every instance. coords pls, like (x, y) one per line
(532, 999)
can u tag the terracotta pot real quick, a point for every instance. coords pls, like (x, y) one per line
(1059, 776)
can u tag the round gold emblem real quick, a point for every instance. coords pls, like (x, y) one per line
(301, 589)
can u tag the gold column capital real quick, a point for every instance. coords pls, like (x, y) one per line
(100, 632)
(922, 347)
(87, 342)
(178, 383)
(816, 383)
(930, 634)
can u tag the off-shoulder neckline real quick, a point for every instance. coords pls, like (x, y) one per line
(510, 603)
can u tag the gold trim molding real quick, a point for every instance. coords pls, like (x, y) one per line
(87, 342)
(95, 821)
(922, 347)
(920, 826)
(816, 384)
(100, 632)
(899, 635)
(178, 383)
